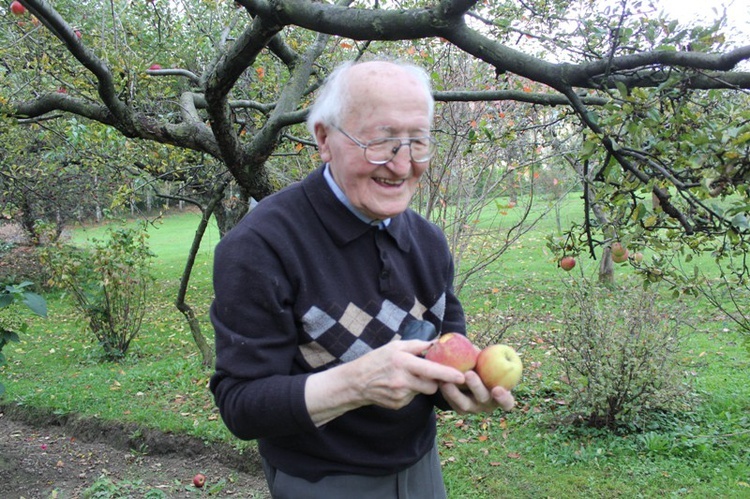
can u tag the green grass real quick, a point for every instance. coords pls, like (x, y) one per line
(700, 452)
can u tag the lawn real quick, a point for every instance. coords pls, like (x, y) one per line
(701, 451)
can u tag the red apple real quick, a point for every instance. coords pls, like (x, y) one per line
(567, 263)
(199, 480)
(499, 365)
(154, 67)
(620, 258)
(78, 34)
(617, 249)
(637, 257)
(17, 8)
(454, 350)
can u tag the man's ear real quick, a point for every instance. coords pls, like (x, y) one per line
(322, 137)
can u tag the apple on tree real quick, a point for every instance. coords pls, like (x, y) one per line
(567, 263)
(17, 8)
(617, 249)
(618, 252)
(499, 365)
(620, 258)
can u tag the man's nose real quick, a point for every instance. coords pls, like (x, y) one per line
(402, 158)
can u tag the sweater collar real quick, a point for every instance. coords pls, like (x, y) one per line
(342, 225)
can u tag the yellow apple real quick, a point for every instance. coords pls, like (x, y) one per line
(499, 365)
(454, 350)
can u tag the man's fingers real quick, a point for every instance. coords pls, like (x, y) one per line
(415, 347)
(504, 398)
(433, 371)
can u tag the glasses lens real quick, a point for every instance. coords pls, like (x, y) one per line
(383, 150)
(422, 149)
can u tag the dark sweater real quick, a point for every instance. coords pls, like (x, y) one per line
(302, 285)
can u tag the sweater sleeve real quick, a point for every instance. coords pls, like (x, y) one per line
(254, 385)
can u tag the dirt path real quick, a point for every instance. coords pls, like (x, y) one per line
(50, 460)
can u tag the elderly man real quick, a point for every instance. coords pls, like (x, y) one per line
(314, 290)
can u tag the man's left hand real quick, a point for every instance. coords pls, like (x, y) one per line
(474, 397)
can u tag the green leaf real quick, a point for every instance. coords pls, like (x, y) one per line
(740, 221)
(589, 146)
(622, 89)
(36, 303)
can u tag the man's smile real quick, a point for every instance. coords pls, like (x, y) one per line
(389, 182)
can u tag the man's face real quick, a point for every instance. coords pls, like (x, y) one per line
(385, 102)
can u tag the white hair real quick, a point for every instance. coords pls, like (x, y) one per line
(331, 102)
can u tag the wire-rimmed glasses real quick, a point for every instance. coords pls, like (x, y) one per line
(381, 151)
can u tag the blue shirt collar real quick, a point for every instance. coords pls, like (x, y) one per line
(345, 200)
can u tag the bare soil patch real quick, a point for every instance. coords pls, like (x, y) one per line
(43, 456)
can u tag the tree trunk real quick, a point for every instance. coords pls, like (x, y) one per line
(231, 211)
(606, 268)
(204, 347)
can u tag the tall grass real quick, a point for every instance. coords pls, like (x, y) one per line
(527, 453)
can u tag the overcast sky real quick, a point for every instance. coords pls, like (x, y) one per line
(689, 11)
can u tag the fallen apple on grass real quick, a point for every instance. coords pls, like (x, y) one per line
(454, 350)
(499, 365)
(199, 480)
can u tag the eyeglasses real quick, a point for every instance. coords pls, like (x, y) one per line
(381, 151)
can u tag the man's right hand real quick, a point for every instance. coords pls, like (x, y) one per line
(389, 376)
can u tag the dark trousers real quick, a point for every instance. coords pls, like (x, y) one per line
(423, 480)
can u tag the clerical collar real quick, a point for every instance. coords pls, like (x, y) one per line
(345, 200)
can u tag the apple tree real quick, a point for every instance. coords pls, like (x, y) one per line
(651, 115)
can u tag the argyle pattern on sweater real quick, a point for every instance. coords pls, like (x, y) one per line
(354, 332)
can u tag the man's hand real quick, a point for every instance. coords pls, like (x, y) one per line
(476, 398)
(389, 376)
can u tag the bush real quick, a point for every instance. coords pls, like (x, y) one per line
(109, 283)
(619, 353)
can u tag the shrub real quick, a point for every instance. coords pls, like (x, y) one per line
(109, 283)
(619, 353)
